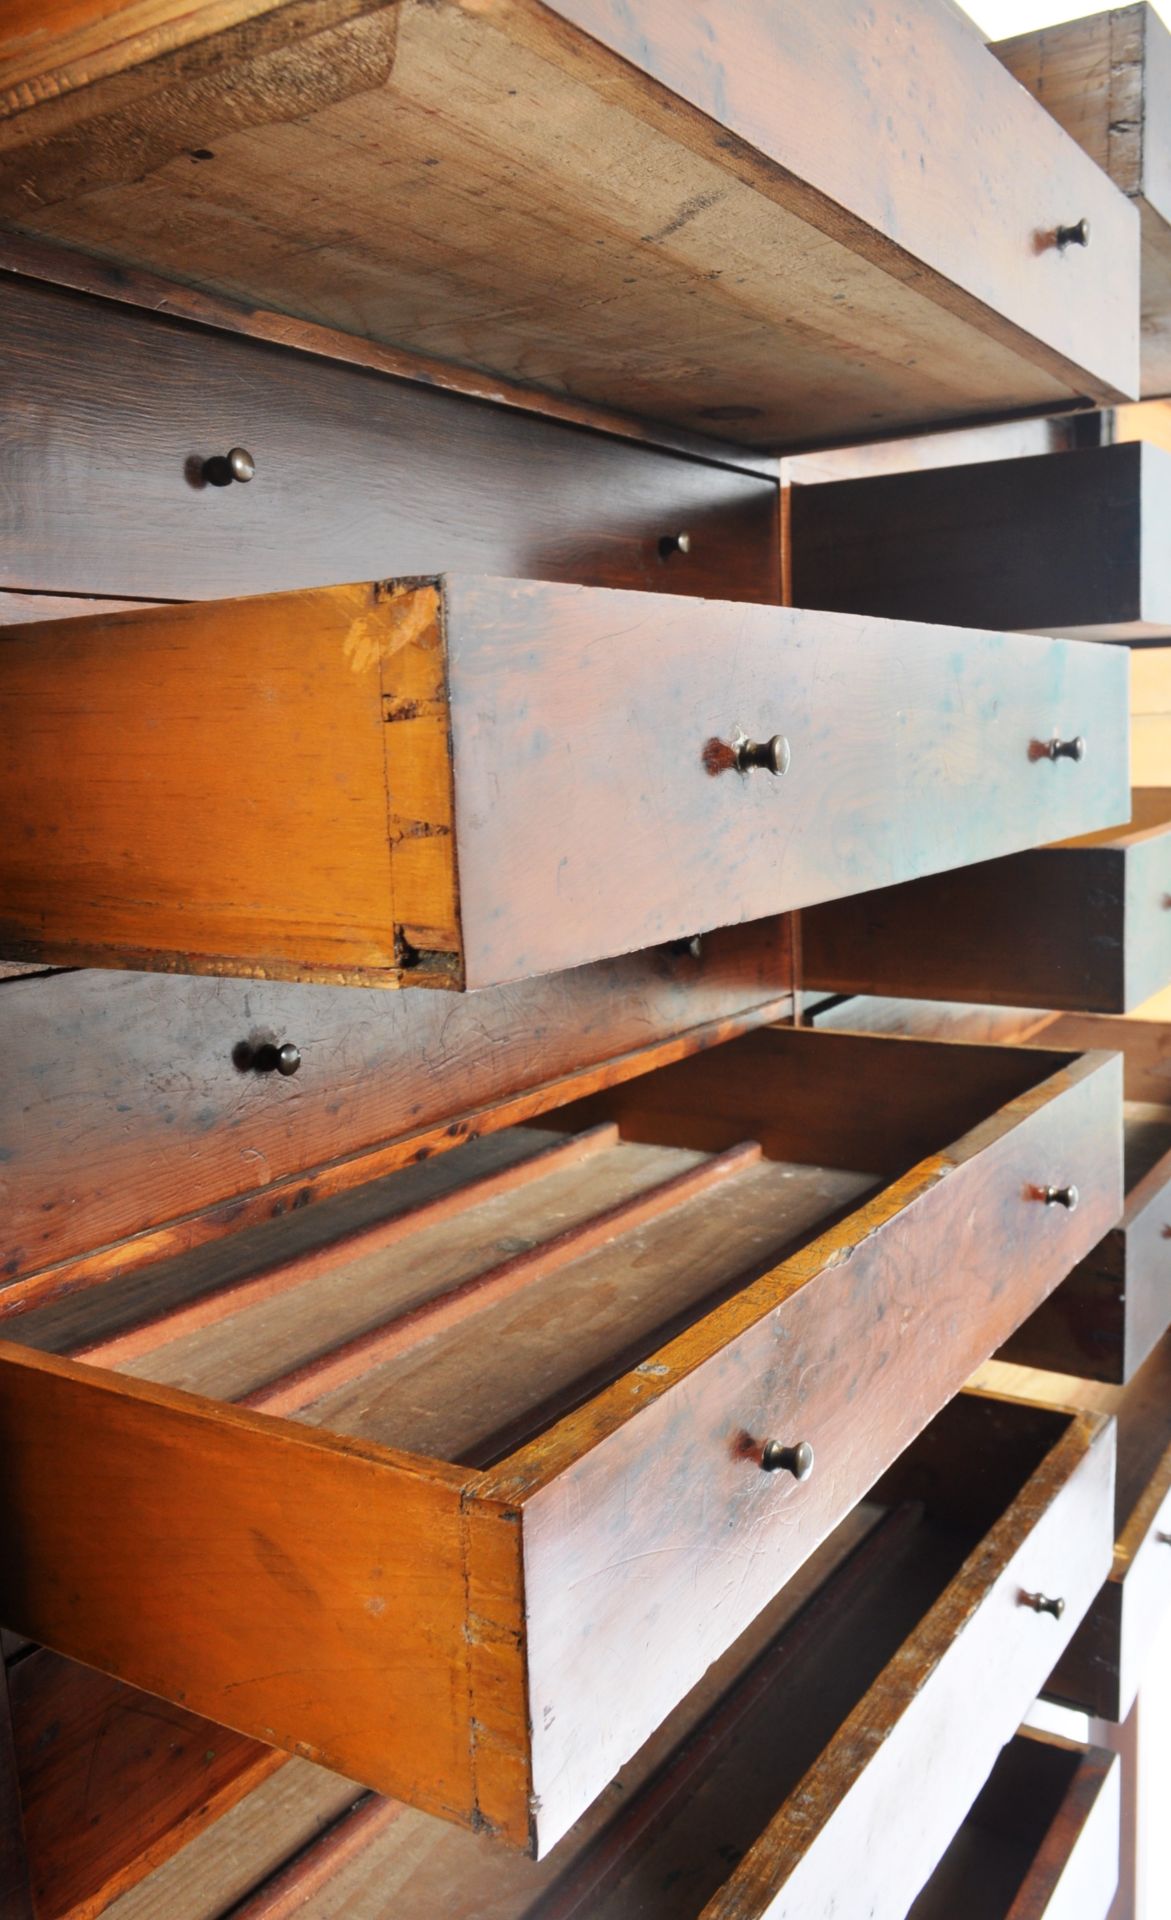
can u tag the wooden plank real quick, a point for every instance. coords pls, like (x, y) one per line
(1064, 543)
(796, 1866)
(328, 1578)
(15, 1891)
(130, 1077)
(114, 1781)
(1082, 926)
(285, 764)
(107, 495)
(259, 180)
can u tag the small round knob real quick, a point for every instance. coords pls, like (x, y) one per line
(1067, 749)
(1164, 1539)
(223, 468)
(288, 1059)
(773, 755)
(796, 1460)
(1076, 236)
(674, 543)
(1041, 1603)
(1066, 1197)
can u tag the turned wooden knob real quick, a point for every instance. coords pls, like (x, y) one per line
(798, 1460)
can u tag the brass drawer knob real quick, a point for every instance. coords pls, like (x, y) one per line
(1074, 749)
(1066, 1197)
(1076, 236)
(223, 468)
(797, 1460)
(674, 543)
(773, 755)
(1041, 1603)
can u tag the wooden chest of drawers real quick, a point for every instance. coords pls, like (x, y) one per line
(531, 1484)
(466, 782)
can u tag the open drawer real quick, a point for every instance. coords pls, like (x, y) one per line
(733, 216)
(1068, 543)
(1041, 1842)
(1106, 79)
(1102, 1669)
(1103, 1321)
(824, 1763)
(435, 1493)
(1082, 926)
(461, 781)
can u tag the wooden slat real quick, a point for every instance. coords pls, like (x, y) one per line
(340, 1365)
(297, 1270)
(15, 1891)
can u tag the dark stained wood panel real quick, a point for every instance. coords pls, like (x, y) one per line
(1079, 927)
(356, 474)
(1064, 543)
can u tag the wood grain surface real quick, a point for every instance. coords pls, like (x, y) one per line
(132, 1079)
(194, 850)
(727, 225)
(357, 474)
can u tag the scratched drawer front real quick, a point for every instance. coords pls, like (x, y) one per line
(466, 782)
(107, 416)
(1041, 1842)
(1083, 928)
(771, 1241)
(164, 1098)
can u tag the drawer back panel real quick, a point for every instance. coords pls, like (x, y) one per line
(107, 416)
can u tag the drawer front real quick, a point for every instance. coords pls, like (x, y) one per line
(107, 416)
(1102, 1670)
(1047, 544)
(1046, 928)
(159, 1093)
(651, 1535)
(905, 1767)
(478, 781)
(797, 83)
(1041, 1842)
